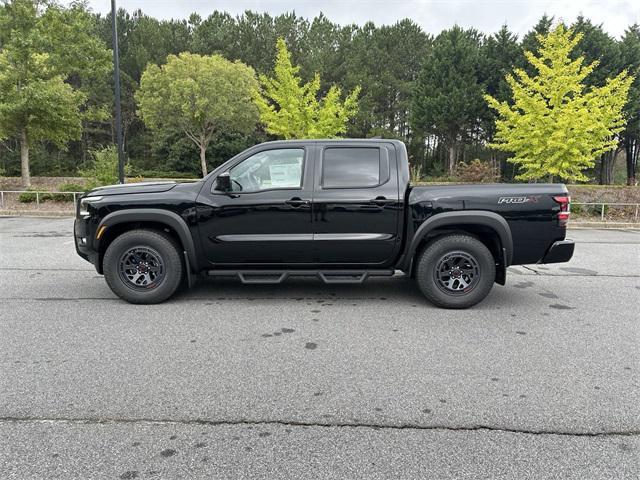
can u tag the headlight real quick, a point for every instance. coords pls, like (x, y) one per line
(84, 202)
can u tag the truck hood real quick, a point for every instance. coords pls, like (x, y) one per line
(129, 188)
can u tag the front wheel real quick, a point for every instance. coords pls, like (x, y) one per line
(455, 271)
(143, 266)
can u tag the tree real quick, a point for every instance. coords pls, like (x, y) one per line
(531, 43)
(556, 126)
(201, 96)
(500, 53)
(46, 52)
(448, 94)
(387, 86)
(291, 110)
(630, 52)
(597, 45)
(142, 40)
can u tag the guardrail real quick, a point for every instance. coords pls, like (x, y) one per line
(38, 193)
(603, 205)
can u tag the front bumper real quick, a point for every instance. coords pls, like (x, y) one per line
(83, 241)
(560, 252)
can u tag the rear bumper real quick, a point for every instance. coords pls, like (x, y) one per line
(560, 251)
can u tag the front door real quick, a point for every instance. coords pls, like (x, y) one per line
(266, 218)
(356, 204)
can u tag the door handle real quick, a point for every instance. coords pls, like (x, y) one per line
(296, 202)
(380, 201)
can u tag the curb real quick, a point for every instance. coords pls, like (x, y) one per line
(603, 226)
(35, 213)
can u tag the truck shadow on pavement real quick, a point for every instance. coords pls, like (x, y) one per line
(397, 289)
(402, 291)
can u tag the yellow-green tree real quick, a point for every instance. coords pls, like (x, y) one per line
(555, 126)
(290, 109)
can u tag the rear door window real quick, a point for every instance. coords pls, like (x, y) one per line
(353, 167)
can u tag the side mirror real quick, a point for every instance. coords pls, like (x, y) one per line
(223, 182)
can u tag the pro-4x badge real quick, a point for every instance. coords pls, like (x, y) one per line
(526, 199)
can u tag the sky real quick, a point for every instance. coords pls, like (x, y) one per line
(432, 15)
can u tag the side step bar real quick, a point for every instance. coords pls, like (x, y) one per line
(279, 276)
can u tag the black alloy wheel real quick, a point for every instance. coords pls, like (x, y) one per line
(455, 271)
(144, 266)
(141, 268)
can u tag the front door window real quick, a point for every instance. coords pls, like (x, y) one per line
(269, 170)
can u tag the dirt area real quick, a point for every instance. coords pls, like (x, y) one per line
(607, 194)
(604, 193)
(44, 183)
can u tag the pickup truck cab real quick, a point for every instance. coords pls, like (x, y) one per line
(340, 210)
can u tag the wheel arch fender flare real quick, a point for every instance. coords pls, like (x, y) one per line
(155, 215)
(467, 217)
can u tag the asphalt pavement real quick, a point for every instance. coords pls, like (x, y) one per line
(305, 380)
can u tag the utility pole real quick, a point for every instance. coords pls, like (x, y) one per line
(116, 78)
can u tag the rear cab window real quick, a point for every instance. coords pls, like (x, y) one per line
(353, 167)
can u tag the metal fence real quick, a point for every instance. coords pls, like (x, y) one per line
(39, 195)
(598, 208)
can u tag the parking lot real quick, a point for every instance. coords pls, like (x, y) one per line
(305, 380)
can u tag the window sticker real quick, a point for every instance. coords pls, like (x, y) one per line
(285, 175)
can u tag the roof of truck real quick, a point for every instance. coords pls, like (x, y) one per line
(334, 140)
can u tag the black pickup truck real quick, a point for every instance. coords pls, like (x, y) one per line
(340, 210)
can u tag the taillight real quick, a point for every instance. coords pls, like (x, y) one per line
(565, 209)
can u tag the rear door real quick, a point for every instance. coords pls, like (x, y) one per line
(356, 204)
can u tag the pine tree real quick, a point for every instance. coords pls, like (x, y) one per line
(630, 53)
(448, 92)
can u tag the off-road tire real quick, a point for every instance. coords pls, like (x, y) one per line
(158, 245)
(432, 271)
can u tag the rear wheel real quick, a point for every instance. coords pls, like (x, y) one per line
(455, 271)
(143, 266)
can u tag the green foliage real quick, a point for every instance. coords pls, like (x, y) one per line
(450, 126)
(500, 53)
(556, 126)
(200, 96)
(387, 85)
(103, 169)
(47, 52)
(67, 187)
(531, 41)
(30, 196)
(630, 57)
(47, 108)
(290, 109)
(448, 92)
(160, 174)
